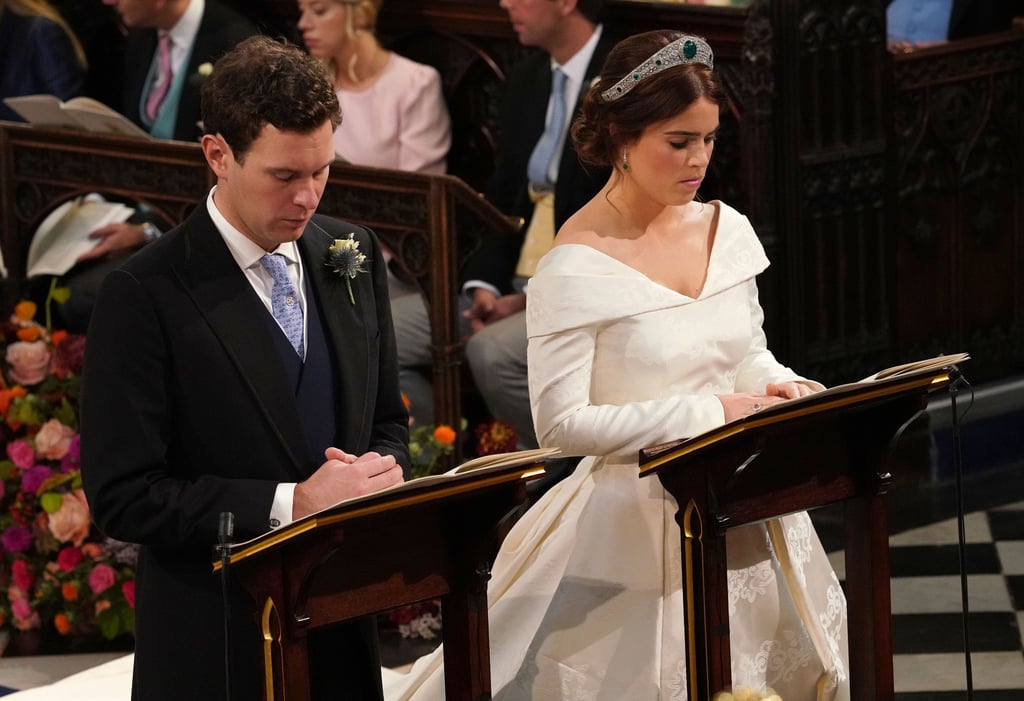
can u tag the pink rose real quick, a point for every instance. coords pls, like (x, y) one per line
(70, 523)
(101, 578)
(53, 440)
(24, 617)
(128, 589)
(21, 454)
(30, 362)
(21, 609)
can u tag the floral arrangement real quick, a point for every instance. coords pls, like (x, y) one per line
(57, 573)
(420, 620)
(428, 444)
(495, 437)
(345, 259)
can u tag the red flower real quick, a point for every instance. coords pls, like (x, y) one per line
(495, 437)
(128, 589)
(22, 574)
(69, 558)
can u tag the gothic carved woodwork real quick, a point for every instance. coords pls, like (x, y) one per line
(868, 176)
(956, 218)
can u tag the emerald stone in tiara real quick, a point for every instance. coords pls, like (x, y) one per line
(685, 49)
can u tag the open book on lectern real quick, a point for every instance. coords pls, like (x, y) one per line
(890, 380)
(470, 473)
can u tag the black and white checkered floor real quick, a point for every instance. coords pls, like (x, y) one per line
(928, 624)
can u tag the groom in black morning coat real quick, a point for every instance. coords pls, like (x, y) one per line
(195, 402)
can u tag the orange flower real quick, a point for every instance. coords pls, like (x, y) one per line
(9, 395)
(25, 310)
(28, 333)
(69, 591)
(444, 435)
(62, 623)
(92, 550)
(57, 337)
(407, 402)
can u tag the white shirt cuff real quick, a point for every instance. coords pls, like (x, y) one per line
(467, 288)
(281, 509)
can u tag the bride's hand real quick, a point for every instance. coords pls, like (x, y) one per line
(745, 403)
(789, 390)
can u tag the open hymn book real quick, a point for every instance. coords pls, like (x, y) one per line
(475, 470)
(833, 397)
(477, 467)
(82, 113)
(64, 234)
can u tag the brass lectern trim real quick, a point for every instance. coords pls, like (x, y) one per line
(270, 639)
(286, 533)
(693, 528)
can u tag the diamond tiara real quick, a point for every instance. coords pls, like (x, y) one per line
(685, 49)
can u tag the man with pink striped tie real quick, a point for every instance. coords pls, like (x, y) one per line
(170, 48)
(170, 45)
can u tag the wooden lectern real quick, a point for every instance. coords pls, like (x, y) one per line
(797, 455)
(435, 537)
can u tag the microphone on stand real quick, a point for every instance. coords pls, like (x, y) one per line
(225, 532)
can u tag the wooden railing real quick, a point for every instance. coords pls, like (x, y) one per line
(431, 222)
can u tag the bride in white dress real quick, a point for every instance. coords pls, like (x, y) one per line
(644, 327)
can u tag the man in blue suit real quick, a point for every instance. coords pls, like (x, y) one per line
(230, 369)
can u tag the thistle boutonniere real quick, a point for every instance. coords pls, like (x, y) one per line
(345, 259)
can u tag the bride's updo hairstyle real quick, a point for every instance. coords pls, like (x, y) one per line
(638, 87)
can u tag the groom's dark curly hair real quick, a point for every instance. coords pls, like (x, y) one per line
(262, 81)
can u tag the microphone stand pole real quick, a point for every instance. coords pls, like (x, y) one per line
(225, 532)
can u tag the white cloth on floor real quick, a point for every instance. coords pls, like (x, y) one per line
(110, 681)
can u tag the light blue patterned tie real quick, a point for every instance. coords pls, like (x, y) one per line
(283, 300)
(544, 151)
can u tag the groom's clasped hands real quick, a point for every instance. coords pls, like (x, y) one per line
(344, 476)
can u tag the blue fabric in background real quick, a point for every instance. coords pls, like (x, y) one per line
(918, 20)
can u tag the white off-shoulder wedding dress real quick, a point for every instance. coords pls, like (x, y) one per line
(585, 600)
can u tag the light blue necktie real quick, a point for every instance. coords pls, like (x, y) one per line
(283, 300)
(544, 151)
